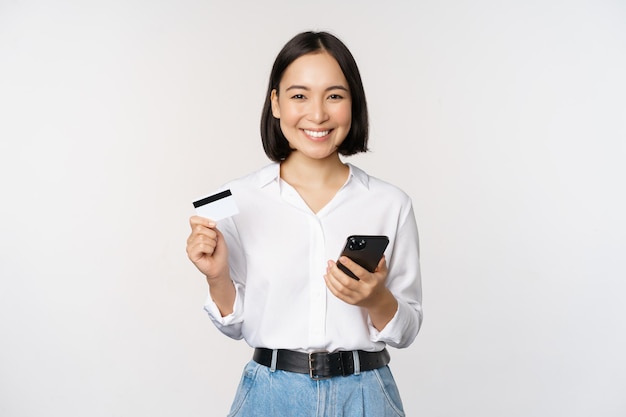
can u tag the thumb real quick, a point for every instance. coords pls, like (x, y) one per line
(382, 265)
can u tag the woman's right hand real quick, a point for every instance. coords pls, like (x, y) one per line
(207, 249)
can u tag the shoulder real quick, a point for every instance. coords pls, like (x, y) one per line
(380, 187)
(257, 179)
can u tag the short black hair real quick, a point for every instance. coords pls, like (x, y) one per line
(275, 144)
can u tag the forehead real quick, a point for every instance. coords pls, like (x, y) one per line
(319, 69)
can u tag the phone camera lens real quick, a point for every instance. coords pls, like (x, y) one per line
(356, 244)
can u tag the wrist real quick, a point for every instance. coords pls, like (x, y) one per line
(218, 281)
(223, 293)
(383, 310)
(386, 303)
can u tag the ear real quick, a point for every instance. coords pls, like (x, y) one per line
(275, 106)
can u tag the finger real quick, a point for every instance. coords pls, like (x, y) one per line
(337, 288)
(200, 234)
(338, 274)
(382, 265)
(343, 283)
(202, 225)
(355, 268)
(203, 237)
(198, 250)
(201, 221)
(331, 282)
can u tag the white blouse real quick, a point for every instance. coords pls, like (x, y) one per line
(278, 251)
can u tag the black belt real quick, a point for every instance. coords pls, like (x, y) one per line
(321, 365)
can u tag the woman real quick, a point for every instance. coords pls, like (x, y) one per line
(319, 335)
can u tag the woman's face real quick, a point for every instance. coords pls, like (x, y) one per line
(314, 105)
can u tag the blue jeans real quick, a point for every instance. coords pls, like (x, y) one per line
(263, 393)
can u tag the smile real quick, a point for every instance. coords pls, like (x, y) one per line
(316, 134)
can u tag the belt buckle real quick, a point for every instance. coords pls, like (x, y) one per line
(312, 355)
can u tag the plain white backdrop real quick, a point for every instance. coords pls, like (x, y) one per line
(504, 120)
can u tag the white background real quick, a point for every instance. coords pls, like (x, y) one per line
(504, 120)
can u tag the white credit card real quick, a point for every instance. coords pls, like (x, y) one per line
(216, 206)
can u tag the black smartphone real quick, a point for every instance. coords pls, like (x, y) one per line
(365, 251)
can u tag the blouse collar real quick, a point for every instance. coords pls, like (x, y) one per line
(271, 173)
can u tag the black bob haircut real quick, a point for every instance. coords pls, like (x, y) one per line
(275, 144)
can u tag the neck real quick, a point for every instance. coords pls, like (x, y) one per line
(297, 169)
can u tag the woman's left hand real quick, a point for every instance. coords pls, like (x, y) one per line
(368, 292)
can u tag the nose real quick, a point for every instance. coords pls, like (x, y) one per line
(318, 112)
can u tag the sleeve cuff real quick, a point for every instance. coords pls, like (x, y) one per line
(401, 329)
(233, 318)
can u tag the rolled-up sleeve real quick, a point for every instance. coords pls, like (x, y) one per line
(404, 282)
(231, 324)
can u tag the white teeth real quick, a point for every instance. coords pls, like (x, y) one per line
(317, 134)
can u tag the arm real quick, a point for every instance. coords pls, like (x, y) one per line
(208, 251)
(392, 295)
(405, 283)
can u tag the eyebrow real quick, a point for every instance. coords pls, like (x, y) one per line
(302, 87)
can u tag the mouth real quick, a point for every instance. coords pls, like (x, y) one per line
(317, 134)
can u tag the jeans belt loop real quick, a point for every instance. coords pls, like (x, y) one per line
(274, 359)
(357, 362)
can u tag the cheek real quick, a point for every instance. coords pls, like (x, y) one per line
(344, 115)
(288, 115)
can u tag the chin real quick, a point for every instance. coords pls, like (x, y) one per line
(321, 154)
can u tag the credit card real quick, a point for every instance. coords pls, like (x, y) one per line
(216, 206)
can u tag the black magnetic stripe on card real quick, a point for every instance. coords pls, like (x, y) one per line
(212, 198)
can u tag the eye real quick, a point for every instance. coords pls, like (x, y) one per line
(298, 97)
(335, 97)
